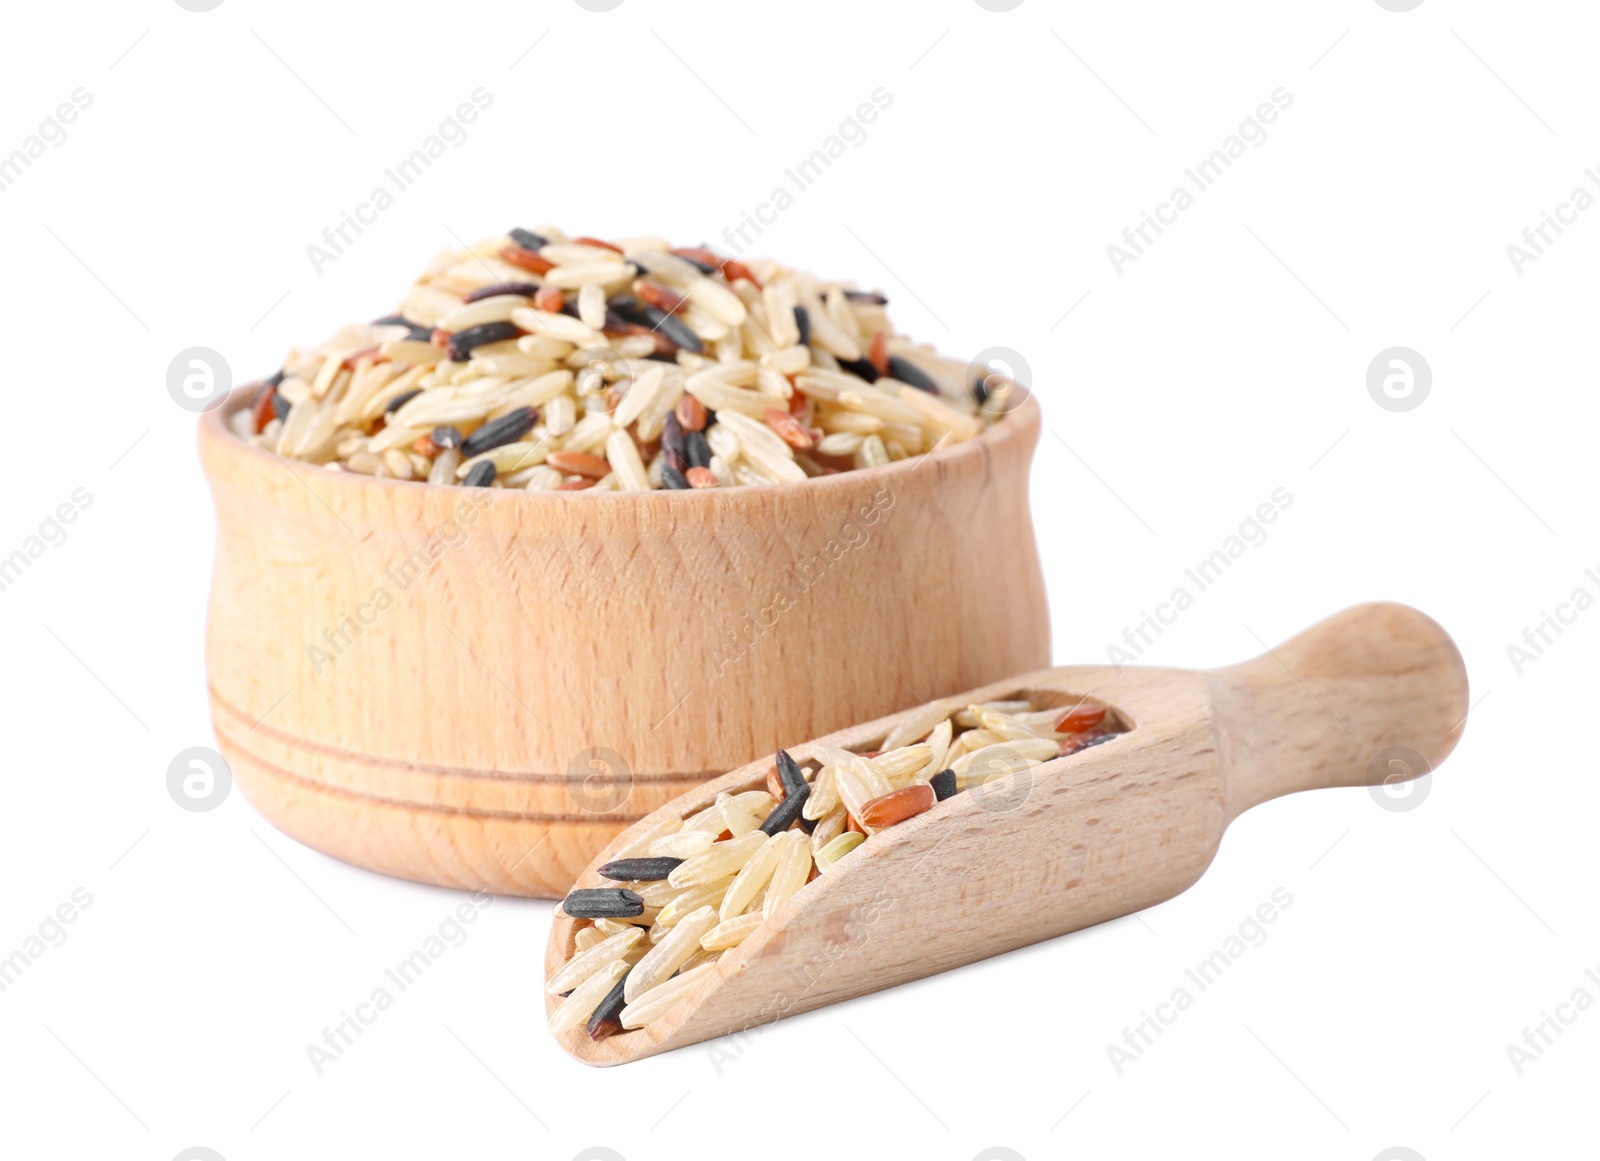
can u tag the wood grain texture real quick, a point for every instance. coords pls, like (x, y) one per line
(504, 680)
(1080, 840)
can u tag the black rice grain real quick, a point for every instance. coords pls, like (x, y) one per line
(509, 428)
(862, 368)
(625, 307)
(944, 784)
(677, 330)
(528, 240)
(786, 811)
(481, 475)
(802, 320)
(908, 372)
(644, 315)
(672, 442)
(640, 870)
(414, 332)
(276, 380)
(526, 289)
(607, 1017)
(696, 449)
(789, 774)
(463, 343)
(603, 903)
(280, 405)
(872, 296)
(400, 401)
(672, 479)
(445, 438)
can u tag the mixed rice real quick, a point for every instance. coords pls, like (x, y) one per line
(533, 360)
(693, 889)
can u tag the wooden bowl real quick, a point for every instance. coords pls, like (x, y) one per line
(480, 688)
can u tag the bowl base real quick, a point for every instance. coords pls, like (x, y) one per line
(445, 847)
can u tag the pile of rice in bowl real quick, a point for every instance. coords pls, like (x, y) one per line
(533, 360)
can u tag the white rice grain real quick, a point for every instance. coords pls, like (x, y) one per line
(871, 453)
(580, 967)
(652, 1005)
(724, 858)
(780, 301)
(687, 902)
(828, 828)
(716, 300)
(938, 748)
(916, 725)
(543, 479)
(592, 307)
(557, 326)
(840, 443)
(1004, 756)
(658, 964)
(731, 932)
(752, 877)
(580, 1005)
(824, 796)
(623, 455)
(496, 308)
(646, 388)
(794, 866)
(683, 845)
(575, 275)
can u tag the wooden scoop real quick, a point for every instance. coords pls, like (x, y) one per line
(1079, 840)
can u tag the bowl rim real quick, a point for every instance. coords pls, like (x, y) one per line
(1022, 422)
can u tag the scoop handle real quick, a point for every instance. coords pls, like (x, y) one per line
(1323, 708)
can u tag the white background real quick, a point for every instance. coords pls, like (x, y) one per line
(1228, 361)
